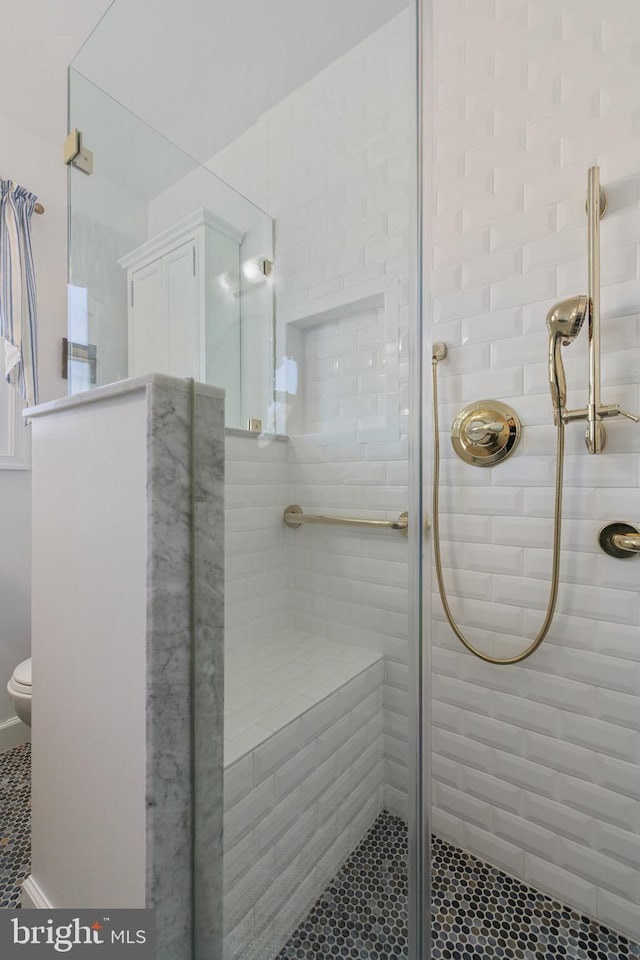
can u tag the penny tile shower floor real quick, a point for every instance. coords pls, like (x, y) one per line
(15, 822)
(479, 912)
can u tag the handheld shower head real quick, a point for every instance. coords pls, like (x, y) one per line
(565, 319)
(564, 322)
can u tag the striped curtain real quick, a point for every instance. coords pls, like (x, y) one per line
(18, 359)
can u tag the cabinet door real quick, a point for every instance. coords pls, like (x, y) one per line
(183, 316)
(148, 324)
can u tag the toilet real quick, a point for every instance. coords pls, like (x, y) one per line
(19, 690)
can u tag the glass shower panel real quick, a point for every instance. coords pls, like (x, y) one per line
(317, 781)
(310, 112)
(165, 264)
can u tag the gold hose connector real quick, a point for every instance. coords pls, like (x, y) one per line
(557, 529)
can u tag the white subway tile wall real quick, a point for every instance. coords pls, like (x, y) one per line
(256, 493)
(315, 725)
(351, 586)
(537, 767)
(348, 372)
(301, 795)
(335, 175)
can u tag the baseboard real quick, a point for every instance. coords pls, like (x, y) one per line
(32, 897)
(13, 732)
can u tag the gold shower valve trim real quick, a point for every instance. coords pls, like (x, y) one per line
(485, 433)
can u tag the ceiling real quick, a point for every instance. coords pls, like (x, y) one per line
(201, 72)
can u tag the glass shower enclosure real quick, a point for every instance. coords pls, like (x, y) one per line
(306, 205)
(250, 222)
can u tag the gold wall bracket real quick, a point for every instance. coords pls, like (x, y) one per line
(77, 155)
(485, 433)
(604, 203)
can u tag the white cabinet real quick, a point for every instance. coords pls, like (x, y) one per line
(180, 296)
(164, 317)
(184, 305)
(148, 327)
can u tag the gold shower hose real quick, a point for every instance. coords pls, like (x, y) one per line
(557, 528)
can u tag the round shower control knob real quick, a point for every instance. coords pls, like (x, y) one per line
(485, 433)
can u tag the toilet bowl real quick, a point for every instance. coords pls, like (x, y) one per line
(19, 690)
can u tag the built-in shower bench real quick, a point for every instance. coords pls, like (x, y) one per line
(272, 680)
(304, 776)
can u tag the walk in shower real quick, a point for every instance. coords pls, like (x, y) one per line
(329, 211)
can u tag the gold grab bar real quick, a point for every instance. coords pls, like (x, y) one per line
(294, 517)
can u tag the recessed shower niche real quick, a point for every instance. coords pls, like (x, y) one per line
(341, 376)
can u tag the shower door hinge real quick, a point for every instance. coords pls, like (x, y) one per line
(76, 155)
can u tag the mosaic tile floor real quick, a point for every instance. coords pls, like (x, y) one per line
(479, 912)
(363, 913)
(15, 822)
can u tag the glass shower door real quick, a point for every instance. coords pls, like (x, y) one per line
(312, 117)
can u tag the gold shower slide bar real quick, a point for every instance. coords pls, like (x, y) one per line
(596, 435)
(595, 412)
(294, 517)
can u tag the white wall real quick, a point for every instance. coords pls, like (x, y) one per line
(333, 170)
(537, 766)
(32, 127)
(35, 163)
